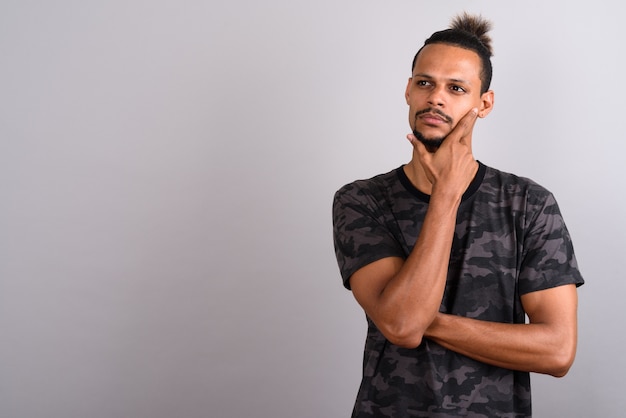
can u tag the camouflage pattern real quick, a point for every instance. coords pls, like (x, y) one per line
(510, 239)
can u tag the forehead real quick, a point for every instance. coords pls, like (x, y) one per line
(448, 62)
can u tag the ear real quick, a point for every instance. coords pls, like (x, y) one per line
(486, 104)
(408, 87)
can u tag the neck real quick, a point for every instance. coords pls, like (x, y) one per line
(417, 175)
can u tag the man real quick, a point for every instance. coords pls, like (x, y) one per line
(447, 257)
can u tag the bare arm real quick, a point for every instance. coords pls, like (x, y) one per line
(402, 297)
(546, 345)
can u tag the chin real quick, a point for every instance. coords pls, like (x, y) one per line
(432, 143)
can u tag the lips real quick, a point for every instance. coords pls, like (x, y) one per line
(432, 117)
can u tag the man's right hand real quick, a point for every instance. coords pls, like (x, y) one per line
(451, 168)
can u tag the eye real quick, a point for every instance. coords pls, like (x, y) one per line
(422, 83)
(457, 89)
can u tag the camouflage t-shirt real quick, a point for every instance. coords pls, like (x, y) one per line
(510, 240)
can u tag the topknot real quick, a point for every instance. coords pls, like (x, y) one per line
(477, 26)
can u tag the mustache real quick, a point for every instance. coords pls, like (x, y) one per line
(435, 111)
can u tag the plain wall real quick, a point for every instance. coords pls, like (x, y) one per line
(167, 170)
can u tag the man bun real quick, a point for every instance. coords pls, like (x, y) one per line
(477, 26)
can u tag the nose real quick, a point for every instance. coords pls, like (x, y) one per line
(436, 97)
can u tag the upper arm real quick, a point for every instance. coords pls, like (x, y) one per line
(555, 309)
(555, 306)
(369, 282)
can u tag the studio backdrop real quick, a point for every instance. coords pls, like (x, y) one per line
(167, 171)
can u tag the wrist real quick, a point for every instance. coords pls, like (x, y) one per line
(445, 198)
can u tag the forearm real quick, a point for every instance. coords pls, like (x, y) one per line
(411, 299)
(540, 348)
(402, 297)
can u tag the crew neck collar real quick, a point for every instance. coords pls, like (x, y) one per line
(473, 187)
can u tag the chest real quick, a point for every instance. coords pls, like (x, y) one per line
(485, 260)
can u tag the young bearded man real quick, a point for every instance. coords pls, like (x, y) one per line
(447, 257)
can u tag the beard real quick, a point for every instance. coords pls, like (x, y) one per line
(431, 144)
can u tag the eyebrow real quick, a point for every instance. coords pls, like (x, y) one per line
(430, 77)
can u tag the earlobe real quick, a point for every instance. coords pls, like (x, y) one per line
(487, 100)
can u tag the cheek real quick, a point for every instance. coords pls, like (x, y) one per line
(464, 110)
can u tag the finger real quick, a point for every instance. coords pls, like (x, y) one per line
(464, 127)
(413, 140)
(422, 152)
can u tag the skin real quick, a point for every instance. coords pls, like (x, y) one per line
(403, 297)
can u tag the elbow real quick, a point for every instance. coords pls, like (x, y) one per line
(405, 331)
(405, 337)
(405, 341)
(559, 371)
(562, 361)
(561, 367)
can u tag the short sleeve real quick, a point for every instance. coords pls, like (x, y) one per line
(548, 256)
(360, 231)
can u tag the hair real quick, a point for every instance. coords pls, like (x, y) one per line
(468, 32)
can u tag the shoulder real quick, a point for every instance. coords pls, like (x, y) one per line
(534, 205)
(365, 190)
(512, 182)
(514, 187)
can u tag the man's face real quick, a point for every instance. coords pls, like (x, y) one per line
(445, 85)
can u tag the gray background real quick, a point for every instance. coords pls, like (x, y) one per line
(167, 170)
